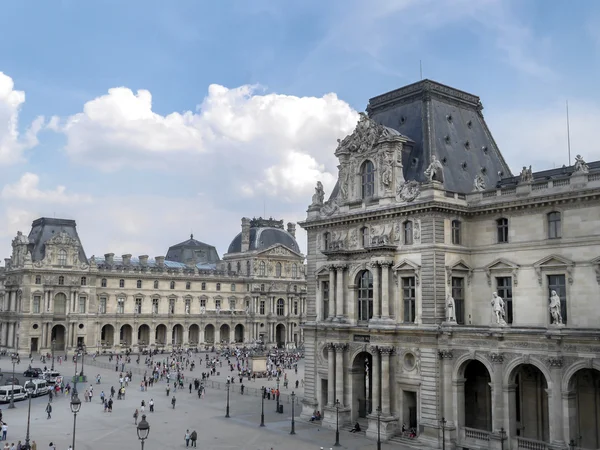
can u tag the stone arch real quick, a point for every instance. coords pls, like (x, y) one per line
(209, 333)
(107, 335)
(177, 335)
(477, 395)
(238, 333)
(143, 335)
(508, 376)
(160, 334)
(224, 332)
(354, 271)
(361, 385)
(194, 335)
(574, 368)
(461, 364)
(280, 335)
(126, 335)
(58, 335)
(582, 400)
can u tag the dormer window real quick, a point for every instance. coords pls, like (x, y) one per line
(62, 258)
(367, 174)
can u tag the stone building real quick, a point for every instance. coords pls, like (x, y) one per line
(448, 294)
(53, 295)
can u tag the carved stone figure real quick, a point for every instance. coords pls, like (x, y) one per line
(387, 172)
(379, 235)
(434, 171)
(498, 309)
(526, 175)
(203, 310)
(450, 309)
(408, 191)
(417, 230)
(319, 195)
(479, 183)
(580, 165)
(555, 308)
(330, 207)
(19, 245)
(344, 181)
(354, 238)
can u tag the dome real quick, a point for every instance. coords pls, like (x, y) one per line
(193, 251)
(262, 238)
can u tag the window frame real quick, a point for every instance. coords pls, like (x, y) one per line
(563, 298)
(278, 269)
(502, 230)
(38, 279)
(103, 302)
(261, 307)
(262, 268)
(232, 287)
(456, 232)
(122, 283)
(409, 302)
(155, 305)
(554, 226)
(458, 285)
(37, 301)
(280, 307)
(138, 305)
(61, 257)
(407, 232)
(172, 285)
(505, 292)
(103, 282)
(156, 284)
(218, 286)
(364, 296)
(294, 270)
(120, 305)
(61, 280)
(138, 284)
(367, 180)
(188, 285)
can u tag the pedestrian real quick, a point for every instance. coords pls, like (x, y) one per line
(187, 438)
(173, 402)
(151, 405)
(110, 405)
(33, 445)
(135, 416)
(4, 430)
(190, 388)
(194, 437)
(49, 411)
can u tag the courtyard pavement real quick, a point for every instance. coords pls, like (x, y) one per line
(116, 430)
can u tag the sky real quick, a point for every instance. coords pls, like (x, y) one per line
(146, 121)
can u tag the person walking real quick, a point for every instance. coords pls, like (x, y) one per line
(4, 430)
(49, 411)
(173, 400)
(151, 405)
(33, 445)
(194, 438)
(135, 416)
(187, 438)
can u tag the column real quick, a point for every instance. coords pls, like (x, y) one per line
(331, 299)
(339, 372)
(376, 402)
(385, 289)
(9, 302)
(339, 292)
(555, 407)
(330, 375)
(376, 306)
(385, 379)
(186, 335)
(497, 393)
(11, 334)
(447, 391)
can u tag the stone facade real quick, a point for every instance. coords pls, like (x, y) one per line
(401, 307)
(52, 293)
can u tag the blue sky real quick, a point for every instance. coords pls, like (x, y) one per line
(242, 101)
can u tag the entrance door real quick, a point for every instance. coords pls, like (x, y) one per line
(80, 341)
(34, 345)
(409, 416)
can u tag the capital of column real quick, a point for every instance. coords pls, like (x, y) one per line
(339, 347)
(445, 354)
(373, 264)
(386, 263)
(374, 350)
(330, 346)
(388, 350)
(340, 267)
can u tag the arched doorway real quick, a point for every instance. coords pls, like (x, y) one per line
(125, 336)
(362, 386)
(280, 335)
(194, 335)
(59, 337)
(478, 396)
(224, 330)
(209, 334)
(60, 303)
(584, 408)
(160, 335)
(177, 336)
(239, 333)
(528, 403)
(143, 335)
(107, 335)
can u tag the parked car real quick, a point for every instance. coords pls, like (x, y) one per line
(41, 387)
(51, 377)
(34, 372)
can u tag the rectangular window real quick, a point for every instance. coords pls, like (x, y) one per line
(233, 288)
(325, 291)
(458, 293)
(218, 304)
(554, 228)
(295, 308)
(82, 305)
(502, 228)
(120, 305)
(83, 281)
(203, 302)
(409, 296)
(102, 308)
(155, 306)
(232, 304)
(122, 283)
(37, 300)
(138, 305)
(103, 282)
(408, 232)
(456, 237)
(504, 289)
(557, 283)
(262, 307)
(38, 279)
(188, 305)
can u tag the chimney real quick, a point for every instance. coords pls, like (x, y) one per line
(7, 262)
(143, 260)
(109, 259)
(245, 234)
(126, 260)
(292, 229)
(160, 261)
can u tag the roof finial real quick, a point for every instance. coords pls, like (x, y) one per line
(191, 235)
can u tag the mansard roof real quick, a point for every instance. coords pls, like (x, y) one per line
(46, 228)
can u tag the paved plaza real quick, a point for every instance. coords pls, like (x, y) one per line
(116, 430)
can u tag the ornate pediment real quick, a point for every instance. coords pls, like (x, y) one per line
(62, 238)
(365, 137)
(324, 270)
(459, 267)
(280, 250)
(502, 265)
(407, 267)
(554, 263)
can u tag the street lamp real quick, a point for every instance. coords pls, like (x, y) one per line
(502, 437)
(227, 409)
(53, 342)
(75, 407)
(293, 423)
(29, 387)
(143, 430)
(262, 407)
(14, 359)
(572, 444)
(379, 428)
(277, 394)
(337, 423)
(443, 423)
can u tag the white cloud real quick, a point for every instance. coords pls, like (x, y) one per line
(12, 145)
(27, 189)
(260, 144)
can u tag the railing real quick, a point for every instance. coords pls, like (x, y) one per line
(539, 186)
(489, 194)
(510, 191)
(530, 444)
(594, 177)
(474, 433)
(564, 182)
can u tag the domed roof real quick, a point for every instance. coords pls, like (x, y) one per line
(193, 251)
(263, 236)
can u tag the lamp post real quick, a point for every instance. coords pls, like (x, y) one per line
(337, 423)
(277, 395)
(227, 409)
(293, 423)
(75, 407)
(143, 430)
(262, 407)
(502, 437)
(53, 342)
(29, 387)
(379, 428)
(13, 359)
(443, 423)
(572, 444)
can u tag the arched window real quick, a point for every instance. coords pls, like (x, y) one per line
(456, 235)
(408, 232)
(248, 268)
(261, 269)
(38, 279)
(138, 284)
(365, 296)
(326, 240)
(218, 286)
(122, 283)
(84, 281)
(280, 307)
(364, 236)
(228, 267)
(62, 257)
(61, 280)
(294, 270)
(239, 267)
(172, 285)
(367, 177)
(155, 284)
(278, 270)
(554, 225)
(502, 228)
(103, 282)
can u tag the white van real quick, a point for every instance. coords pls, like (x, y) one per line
(41, 387)
(7, 391)
(51, 377)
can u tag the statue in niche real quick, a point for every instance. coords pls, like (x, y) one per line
(319, 195)
(580, 165)
(203, 310)
(344, 179)
(434, 171)
(498, 309)
(479, 183)
(387, 172)
(555, 308)
(526, 175)
(450, 309)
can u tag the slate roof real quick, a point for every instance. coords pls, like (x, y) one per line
(550, 174)
(135, 262)
(44, 229)
(193, 250)
(262, 238)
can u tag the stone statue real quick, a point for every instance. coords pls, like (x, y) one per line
(555, 308)
(450, 309)
(435, 170)
(330, 207)
(479, 183)
(498, 309)
(387, 172)
(203, 310)
(319, 195)
(247, 310)
(580, 165)
(187, 308)
(218, 310)
(344, 179)
(526, 175)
